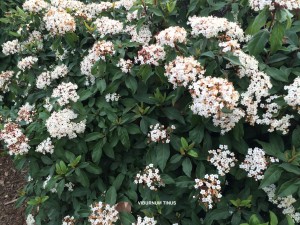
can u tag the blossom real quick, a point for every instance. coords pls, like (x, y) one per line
(145, 221)
(26, 113)
(35, 39)
(11, 47)
(112, 97)
(70, 186)
(65, 92)
(158, 133)
(210, 190)
(43, 80)
(59, 22)
(183, 71)
(105, 25)
(223, 159)
(143, 36)
(5, 80)
(213, 26)
(60, 124)
(45, 146)
(171, 36)
(30, 220)
(93, 9)
(35, 5)
(125, 65)
(102, 213)
(15, 140)
(150, 55)
(293, 96)
(68, 220)
(27, 62)
(150, 177)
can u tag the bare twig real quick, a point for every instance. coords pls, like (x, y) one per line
(10, 202)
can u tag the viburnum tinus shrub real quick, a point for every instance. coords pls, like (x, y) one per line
(154, 112)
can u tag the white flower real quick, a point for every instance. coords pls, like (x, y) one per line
(5, 80)
(30, 220)
(26, 113)
(125, 65)
(45, 147)
(150, 177)
(65, 92)
(105, 25)
(102, 213)
(10, 47)
(68, 220)
(70, 186)
(15, 140)
(171, 36)
(145, 221)
(183, 71)
(223, 159)
(143, 36)
(112, 97)
(60, 124)
(27, 62)
(158, 133)
(35, 5)
(151, 55)
(59, 22)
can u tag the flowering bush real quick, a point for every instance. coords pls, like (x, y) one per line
(153, 112)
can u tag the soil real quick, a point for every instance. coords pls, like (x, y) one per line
(11, 183)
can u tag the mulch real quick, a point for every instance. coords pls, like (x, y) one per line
(12, 182)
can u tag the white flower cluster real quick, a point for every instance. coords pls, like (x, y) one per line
(213, 26)
(59, 22)
(231, 45)
(35, 6)
(249, 65)
(5, 79)
(45, 183)
(145, 221)
(210, 190)
(182, 71)
(45, 78)
(103, 213)
(285, 203)
(112, 97)
(30, 220)
(65, 92)
(26, 113)
(27, 63)
(125, 65)
(293, 96)
(143, 36)
(11, 47)
(68, 220)
(272, 108)
(211, 96)
(256, 163)
(100, 50)
(45, 146)
(151, 55)
(70, 186)
(158, 133)
(127, 4)
(59, 124)
(107, 26)
(150, 178)
(258, 5)
(223, 159)
(94, 9)
(171, 36)
(15, 140)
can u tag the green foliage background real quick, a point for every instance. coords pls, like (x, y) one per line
(114, 146)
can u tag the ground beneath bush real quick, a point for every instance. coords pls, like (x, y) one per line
(11, 182)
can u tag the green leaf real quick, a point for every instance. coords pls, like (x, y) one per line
(196, 135)
(259, 21)
(156, 11)
(124, 137)
(233, 59)
(277, 74)
(257, 44)
(291, 168)
(288, 188)
(271, 176)
(162, 155)
(126, 218)
(93, 136)
(94, 169)
(97, 152)
(173, 114)
(296, 137)
(187, 166)
(273, 219)
(131, 83)
(276, 37)
(193, 153)
(82, 177)
(184, 143)
(111, 196)
(118, 181)
(71, 39)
